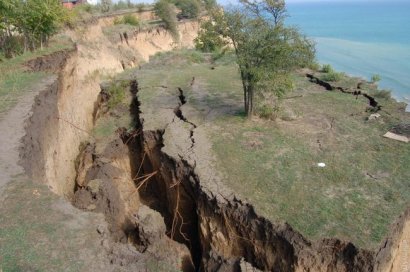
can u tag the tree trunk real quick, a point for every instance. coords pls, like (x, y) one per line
(245, 92)
(249, 111)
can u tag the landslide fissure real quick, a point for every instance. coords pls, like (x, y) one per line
(329, 87)
(222, 233)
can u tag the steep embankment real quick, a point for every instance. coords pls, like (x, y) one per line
(63, 115)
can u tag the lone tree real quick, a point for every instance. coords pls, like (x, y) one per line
(166, 11)
(266, 50)
(106, 5)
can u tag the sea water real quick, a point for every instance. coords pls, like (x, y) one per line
(361, 38)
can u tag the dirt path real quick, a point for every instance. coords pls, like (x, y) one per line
(39, 231)
(12, 130)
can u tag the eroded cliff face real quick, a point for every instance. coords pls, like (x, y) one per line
(60, 121)
(63, 115)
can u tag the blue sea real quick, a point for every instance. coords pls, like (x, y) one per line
(361, 38)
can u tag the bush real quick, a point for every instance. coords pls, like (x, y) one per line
(120, 5)
(128, 19)
(166, 11)
(195, 57)
(117, 95)
(314, 66)
(383, 94)
(13, 46)
(331, 76)
(189, 8)
(375, 78)
(140, 7)
(268, 111)
(327, 68)
(209, 40)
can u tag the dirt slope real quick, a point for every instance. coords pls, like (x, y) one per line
(54, 118)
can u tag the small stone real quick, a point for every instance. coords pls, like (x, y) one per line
(321, 164)
(91, 207)
(101, 229)
(94, 186)
(104, 160)
(105, 244)
(374, 116)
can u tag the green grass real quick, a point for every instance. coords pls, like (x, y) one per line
(14, 77)
(34, 234)
(274, 164)
(281, 178)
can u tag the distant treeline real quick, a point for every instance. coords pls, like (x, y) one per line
(28, 24)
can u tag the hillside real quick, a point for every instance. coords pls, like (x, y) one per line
(134, 154)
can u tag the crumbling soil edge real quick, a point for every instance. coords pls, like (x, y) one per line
(372, 101)
(230, 229)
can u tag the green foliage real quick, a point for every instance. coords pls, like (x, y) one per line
(327, 68)
(128, 19)
(140, 7)
(189, 8)
(209, 4)
(195, 56)
(375, 78)
(34, 20)
(267, 111)
(117, 94)
(13, 46)
(106, 5)
(265, 48)
(383, 94)
(120, 5)
(331, 76)
(208, 39)
(167, 13)
(314, 66)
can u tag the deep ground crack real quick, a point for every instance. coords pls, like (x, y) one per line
(178, 113)
(372, 102)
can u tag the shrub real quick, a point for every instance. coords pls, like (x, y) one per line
(375, 78)
(117, 21)
(189, 8)
(120, 5)
(327, 68)
(270, 112)
(331, 76)
(196, 57)
(166, 11)
(140, 7)
(208, 40)
(13, 46)
(130, 19)
(314, 66)
(383, 94)
(117, 95)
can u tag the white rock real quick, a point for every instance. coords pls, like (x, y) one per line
(374, 116)
(321, 164)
